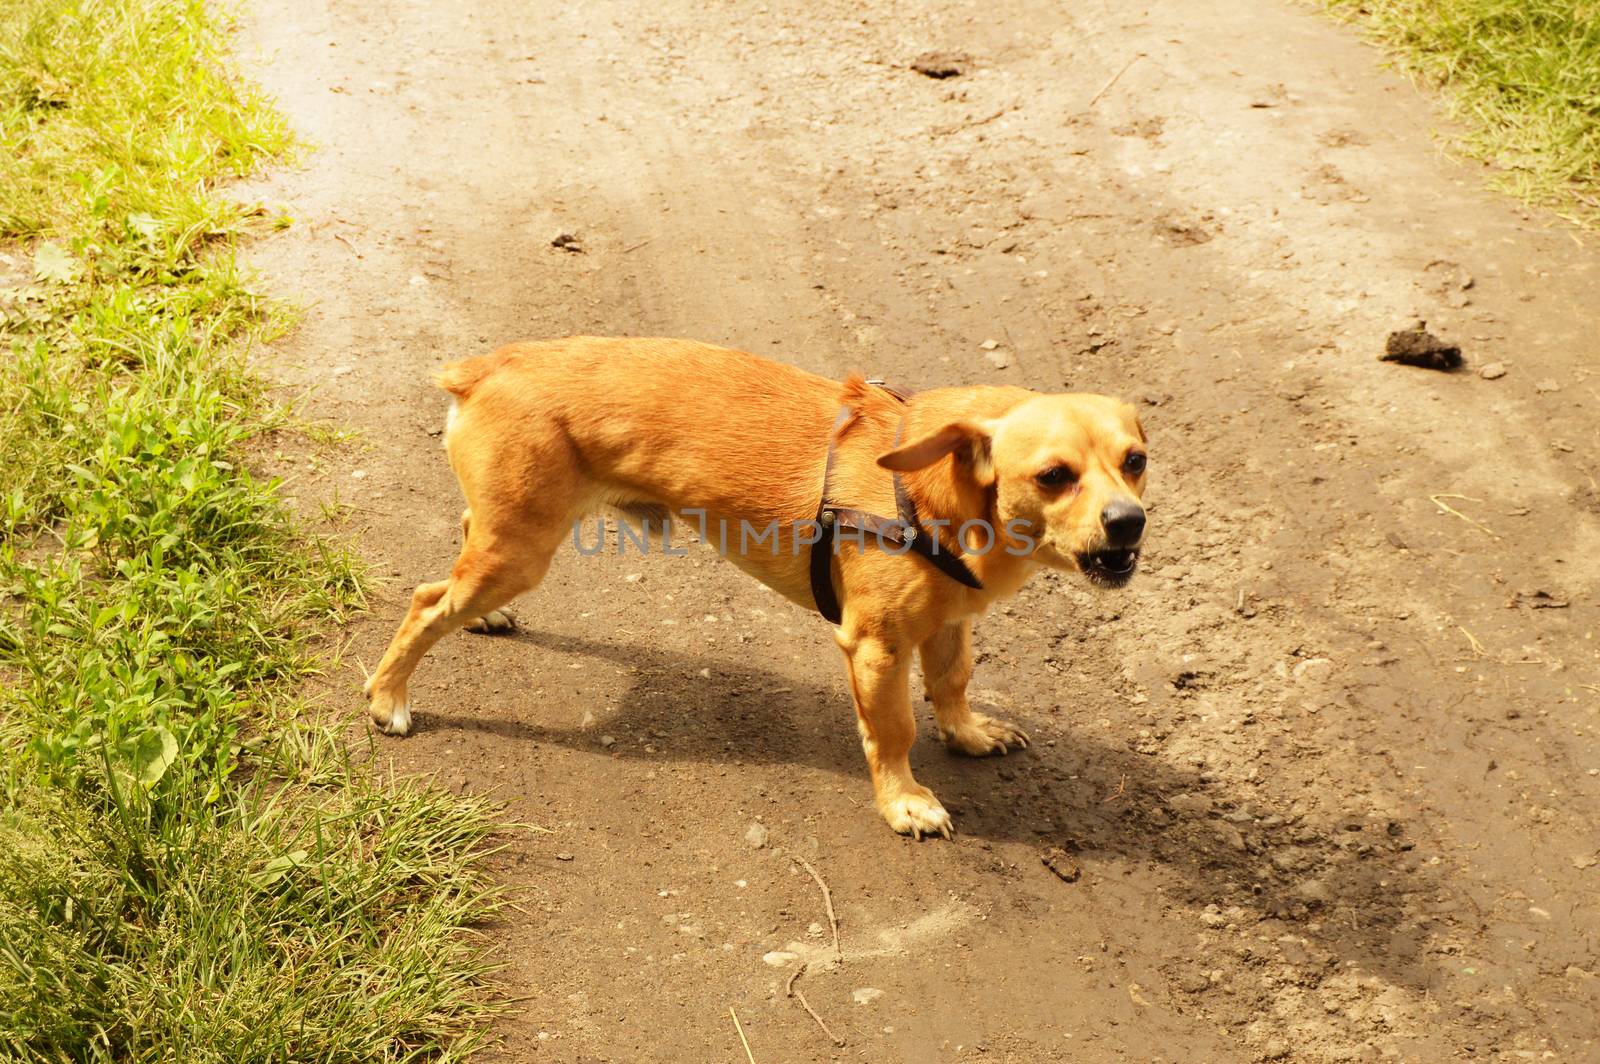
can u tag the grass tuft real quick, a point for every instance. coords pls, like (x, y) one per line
(188, 870)
(1525, 77)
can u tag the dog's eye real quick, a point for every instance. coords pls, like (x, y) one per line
(1134, 463)
(1057, 477)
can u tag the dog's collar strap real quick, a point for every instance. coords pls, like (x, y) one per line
(905, 531)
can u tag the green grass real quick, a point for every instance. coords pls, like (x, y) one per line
(189, 871)
(1524, 76)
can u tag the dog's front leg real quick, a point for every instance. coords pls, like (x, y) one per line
(880, 673)
(946, 668)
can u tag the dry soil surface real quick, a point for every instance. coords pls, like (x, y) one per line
(1329, 768)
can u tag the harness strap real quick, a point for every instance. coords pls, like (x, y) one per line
(822, 592)
(905, 531)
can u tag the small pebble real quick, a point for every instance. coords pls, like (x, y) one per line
(1314, 670)
(1312, 890)
(1493, 371)
(1190, 804)
(563, 856)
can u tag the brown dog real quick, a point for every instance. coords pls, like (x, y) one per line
(542, 434)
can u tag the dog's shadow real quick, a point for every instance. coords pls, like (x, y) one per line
(1341, 885)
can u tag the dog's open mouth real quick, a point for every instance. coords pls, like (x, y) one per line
(1109, 568)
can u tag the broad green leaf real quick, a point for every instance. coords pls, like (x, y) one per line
(52, 262)
(144, 224)
(153, 753)
(279, 867)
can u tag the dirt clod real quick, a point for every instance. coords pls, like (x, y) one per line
(1192, 805)
(942, 64)
(1062, 864)
(1538, 600)
(1182, 234)
(1493, 371)
(1419, 347)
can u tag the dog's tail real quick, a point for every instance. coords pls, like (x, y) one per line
(459, 378)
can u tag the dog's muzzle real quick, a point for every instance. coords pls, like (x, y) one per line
(1109, 566)
(1112, 563)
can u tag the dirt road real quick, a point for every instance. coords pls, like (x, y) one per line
(1329, 767)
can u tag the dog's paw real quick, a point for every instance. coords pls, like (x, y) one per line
(391, 715)
(495, 622)
(917, 815)
(980, 736)
(396, 721)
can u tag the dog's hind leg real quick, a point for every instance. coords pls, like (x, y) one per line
(946, 669)
(491, 571)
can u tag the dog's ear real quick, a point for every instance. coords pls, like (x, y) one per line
(1138, 426)
(968, 441)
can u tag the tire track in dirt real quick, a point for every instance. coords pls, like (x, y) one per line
(1302, 850)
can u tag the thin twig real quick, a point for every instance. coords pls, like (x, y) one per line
(1107, 86)
(1122, 788)
(751, 1057)
(827, 900)
(1477, 647)
(1445, 507)
(798, 996)
(341, 238)
(636, 247)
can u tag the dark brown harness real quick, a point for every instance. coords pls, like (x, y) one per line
(905, 532)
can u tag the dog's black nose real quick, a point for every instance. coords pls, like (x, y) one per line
(1124, 521)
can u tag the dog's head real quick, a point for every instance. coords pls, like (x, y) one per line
(1065, 471)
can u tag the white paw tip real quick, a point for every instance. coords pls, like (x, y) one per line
(399, 722)
(919, 817)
